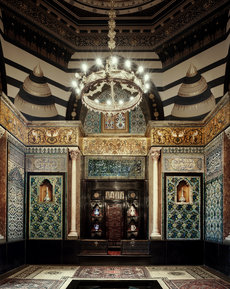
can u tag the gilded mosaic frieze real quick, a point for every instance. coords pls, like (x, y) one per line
(217, 123)
(12, 123)
(177, 136)
(115, 146)
(53, 136)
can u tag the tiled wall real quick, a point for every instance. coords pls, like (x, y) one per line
(115, 167)
(46, 217)
(183, 219)
(15, 215)
(3, 183)
(136, 123)
(213, 201)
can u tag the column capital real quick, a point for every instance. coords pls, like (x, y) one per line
(154, 153)
(74, 153)
(227, 132)
(2, 131)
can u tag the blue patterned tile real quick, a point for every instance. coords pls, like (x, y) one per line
(183, 220)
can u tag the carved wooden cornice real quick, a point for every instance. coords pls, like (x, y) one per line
(154, 38)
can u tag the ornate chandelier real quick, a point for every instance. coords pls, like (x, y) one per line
(113, 85)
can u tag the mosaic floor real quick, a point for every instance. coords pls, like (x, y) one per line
(169, 277)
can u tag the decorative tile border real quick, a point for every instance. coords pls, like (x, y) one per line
(214, 158)
(114, 167)
(183, 163)
(115, 146)
(46, 163)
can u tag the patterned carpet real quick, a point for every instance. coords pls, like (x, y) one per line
(169, 277)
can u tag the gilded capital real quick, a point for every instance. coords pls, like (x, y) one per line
(74, 153)
(2, 131)
(227, 132)
(154, 153)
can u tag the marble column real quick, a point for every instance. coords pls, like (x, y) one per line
(154, 203)
(75, 192)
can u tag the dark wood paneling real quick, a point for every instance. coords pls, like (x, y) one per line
(217, 256)
(44, 252)
(3, 263)
(71, 251)
(16, 254)
(184, 252)
(158, 252)
(12, 255)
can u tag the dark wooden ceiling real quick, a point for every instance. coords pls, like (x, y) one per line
(167, 27)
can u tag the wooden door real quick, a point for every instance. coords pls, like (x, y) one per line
(114, 221)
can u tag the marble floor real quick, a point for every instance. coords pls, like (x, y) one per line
(169, 277)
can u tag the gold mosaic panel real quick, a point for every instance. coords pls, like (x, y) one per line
(115, 146)
(217, 123)
(182, 136)
(12, 123)
(53, 136)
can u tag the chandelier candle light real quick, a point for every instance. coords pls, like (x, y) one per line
(111, 87)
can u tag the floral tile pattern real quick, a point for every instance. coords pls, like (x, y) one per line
(214, 210)
(15, 193)
(45, 218)
(183, 220)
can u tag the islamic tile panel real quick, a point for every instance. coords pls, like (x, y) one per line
(115, 146)
(182, 136)
(129, 168)
(53, 136)
(3, 183)
(45, 214)
(214, 210)
(137, 121)
(183, 163)
(214, 158)
(92, 122)
(182, 216)
(117, 123)
(46, 162)
(226, 201)
(15, 193)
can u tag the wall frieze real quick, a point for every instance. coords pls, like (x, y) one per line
(183, 136)
(115, 146)
(183, 150)
(46, 150)
(53, 136)
(11, 121)
(218, 123)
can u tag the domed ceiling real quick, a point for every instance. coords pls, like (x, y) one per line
(124, 7)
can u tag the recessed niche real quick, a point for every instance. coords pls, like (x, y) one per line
(46, 192)
(183, 193)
